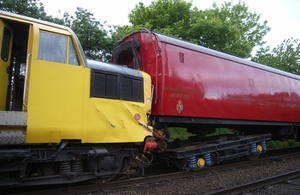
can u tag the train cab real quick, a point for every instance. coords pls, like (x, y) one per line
(64, 118)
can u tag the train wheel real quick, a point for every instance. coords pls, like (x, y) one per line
(124, 165)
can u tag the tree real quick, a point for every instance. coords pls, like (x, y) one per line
(167, 16)
(91, 34)
(93, 37)
(120, 32)
(29, 8)
(285, 56)
(230, 28)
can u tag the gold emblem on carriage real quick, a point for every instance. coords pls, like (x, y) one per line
(179, 106)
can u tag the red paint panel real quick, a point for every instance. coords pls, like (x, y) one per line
(202, 85)
(217, 88)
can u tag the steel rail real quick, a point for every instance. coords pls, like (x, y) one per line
(97, 185)
(259, 184)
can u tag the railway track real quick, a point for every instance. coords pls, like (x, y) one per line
(264, 183)
(97, 185)
(288, 186)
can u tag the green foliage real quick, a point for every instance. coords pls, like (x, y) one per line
(178, 132)
(230, 28)
(120, 32)
(293, 143)
(274, 144)
(27, 8)
(182, 134)
(31, 8)
(277, 144)
(285, 57)
(93, 37)
(221, 131)
(170, 17)
(235, 29)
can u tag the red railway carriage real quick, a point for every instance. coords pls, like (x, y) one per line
(196, 86)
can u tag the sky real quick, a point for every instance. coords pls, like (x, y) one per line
(283, 16)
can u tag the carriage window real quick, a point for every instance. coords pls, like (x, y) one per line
(5, 44)
(52, 47)
(126, 54)
(73, 58)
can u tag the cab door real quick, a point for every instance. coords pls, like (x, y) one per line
(56, 87)
(6, 35)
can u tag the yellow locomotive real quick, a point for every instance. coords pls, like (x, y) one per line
(64, 118)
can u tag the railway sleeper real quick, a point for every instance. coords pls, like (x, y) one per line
(199, 154)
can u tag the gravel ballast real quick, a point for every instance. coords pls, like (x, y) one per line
(207, 183)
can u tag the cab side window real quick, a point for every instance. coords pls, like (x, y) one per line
(5, 44)
(73, 58)
(54, 48)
